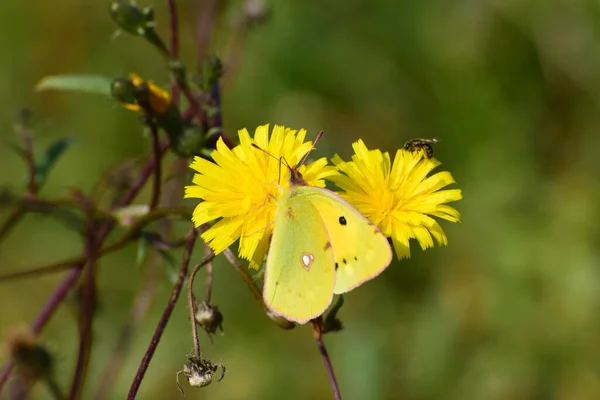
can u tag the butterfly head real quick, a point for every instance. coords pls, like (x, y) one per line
(296, 178)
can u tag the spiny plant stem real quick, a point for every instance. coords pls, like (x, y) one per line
(317, 327)
(135, 386)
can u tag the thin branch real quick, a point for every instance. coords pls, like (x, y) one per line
(190, 295)
(215, 95)
(207, 16)
(317, 327)
(86, 316)
(208, 282)
(131, 234)
(174, 44)
(10, 222)
(192, 100)
(141, 305)
(156, 154)
(235, 263)
(173, 29)
(51, 305)
(68, 281)
(54, 388)
(165, 317)
(27, 138)
(170, 197)
(6, 370)
(249, 281)
(145, 173)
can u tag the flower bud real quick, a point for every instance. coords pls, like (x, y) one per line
(128, 16)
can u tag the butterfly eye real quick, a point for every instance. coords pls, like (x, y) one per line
(343, 221)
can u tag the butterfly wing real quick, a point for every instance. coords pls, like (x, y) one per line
(360, 250)
(299, 275)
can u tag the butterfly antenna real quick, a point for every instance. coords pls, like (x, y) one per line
(281, 160)
(311, 149)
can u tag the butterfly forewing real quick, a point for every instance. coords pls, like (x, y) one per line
(300, 276)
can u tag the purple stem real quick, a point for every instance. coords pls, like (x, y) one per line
(72, 276)
(174, 44)
(156, 153)
(86, 316)
(317, 325)
(165, 317)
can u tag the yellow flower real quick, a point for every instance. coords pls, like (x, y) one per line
(400, 198)
(160, 99)
(242, 184)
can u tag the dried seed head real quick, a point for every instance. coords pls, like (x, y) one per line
(33, 360)
(208, 317)
(199, 372)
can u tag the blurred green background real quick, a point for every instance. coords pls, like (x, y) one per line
(509, 310)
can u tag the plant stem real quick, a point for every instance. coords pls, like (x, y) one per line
(174, 44)
(86, 315)
(165, 317)
(208, 282)
(51, 305)
(317, 327)
(130, 235)
(233, 260)
(156, 153)
(68, 281)
(145, 173)
(170, 197)
(10, 222)
(190, 295)
(207, 17)
(27, 138)
(237, 265)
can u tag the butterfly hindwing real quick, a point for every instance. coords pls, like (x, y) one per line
(360, 250)
(300, 276)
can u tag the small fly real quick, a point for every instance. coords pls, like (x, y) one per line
(421, 144)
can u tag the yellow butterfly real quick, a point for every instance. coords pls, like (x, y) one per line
(321, 245)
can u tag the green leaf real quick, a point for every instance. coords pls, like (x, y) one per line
(49, 158)
(95, 84)
(143, 248)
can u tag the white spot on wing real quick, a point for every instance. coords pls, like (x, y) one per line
(307, 259)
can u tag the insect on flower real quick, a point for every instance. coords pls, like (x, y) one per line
(400, 195)
(421, 144)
